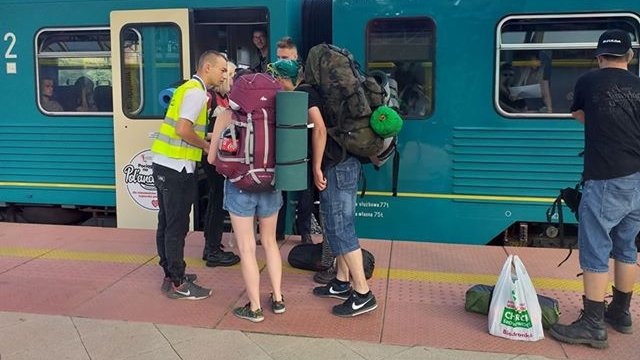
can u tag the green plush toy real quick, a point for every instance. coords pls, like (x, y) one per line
(386, 122)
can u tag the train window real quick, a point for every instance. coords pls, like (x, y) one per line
(404, 50)
(74, 71)
(151, 64)
(540, 58)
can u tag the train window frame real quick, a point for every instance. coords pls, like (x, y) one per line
(428, 60)
(135, 114)
(56, 44)
(542, 49)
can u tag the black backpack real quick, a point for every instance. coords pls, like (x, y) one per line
(571, 197)
(309, 257)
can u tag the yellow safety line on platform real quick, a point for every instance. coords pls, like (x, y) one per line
(75, 255)
(380, 273)
(472, 279)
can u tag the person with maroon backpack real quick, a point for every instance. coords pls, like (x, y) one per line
(243, 150)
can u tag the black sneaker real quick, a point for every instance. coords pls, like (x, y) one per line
(222, 258)
(246, 313)
(166, 283)
(189, 291)
(277, 306)
(333, 289)
(356, 305)
(323, 277)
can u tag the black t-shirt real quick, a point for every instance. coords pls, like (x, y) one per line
(610, 99)
(332, 150)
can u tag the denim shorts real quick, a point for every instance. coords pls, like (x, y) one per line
(247, 204)
(609, 222)
(338, 206)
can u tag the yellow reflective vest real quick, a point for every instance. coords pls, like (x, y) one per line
(168, 143)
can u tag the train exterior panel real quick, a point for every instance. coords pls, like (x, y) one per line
(472, 163)
(469, 169)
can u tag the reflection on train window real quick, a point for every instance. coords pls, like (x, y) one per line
(540, 59)
(403, 49)
(74, 71)
(148, 71)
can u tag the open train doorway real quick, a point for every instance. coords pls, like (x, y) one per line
(152, 51)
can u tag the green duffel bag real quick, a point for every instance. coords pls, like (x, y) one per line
(478, 299)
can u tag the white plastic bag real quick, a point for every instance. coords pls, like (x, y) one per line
(515, 312)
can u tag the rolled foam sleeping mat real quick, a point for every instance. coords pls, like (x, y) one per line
(164, 97)
(291, 140)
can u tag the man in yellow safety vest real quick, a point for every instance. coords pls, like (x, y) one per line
(176, 149)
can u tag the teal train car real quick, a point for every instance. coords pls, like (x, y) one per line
(484, 86)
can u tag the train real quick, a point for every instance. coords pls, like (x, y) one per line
(484, 88)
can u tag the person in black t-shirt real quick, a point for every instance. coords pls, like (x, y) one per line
(336, 178)
(607, 101)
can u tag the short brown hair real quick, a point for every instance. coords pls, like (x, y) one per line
(286, 43)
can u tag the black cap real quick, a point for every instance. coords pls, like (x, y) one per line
(614, 42)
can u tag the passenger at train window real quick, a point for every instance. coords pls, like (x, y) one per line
(508, 101)
(261, 43)
(85, 101)
(47, 99)
(413, 101)
(533, 83)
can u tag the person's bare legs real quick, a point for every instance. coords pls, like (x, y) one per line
(272, 251)
(342, 270)
(595, 285)
(625, 276)
(245, 238)
(353, 261)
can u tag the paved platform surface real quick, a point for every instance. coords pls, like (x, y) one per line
(93, 293)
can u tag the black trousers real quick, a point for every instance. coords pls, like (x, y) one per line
(215, 215)
(176, 194)
(304, 209)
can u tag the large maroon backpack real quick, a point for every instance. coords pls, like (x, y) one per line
(246, 149)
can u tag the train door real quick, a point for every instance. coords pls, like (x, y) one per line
(150, 52)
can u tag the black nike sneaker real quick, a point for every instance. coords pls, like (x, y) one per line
(334, 289)
(356, 305)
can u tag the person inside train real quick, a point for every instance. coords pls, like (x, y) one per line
(261, 42)
(533, 82)
(412, 97)
(215, 215)
(47, 98)
(508, 102)
(85, 101)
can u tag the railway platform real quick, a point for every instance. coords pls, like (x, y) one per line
(72, 292)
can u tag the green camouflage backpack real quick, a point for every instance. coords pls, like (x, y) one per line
(348, 98)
